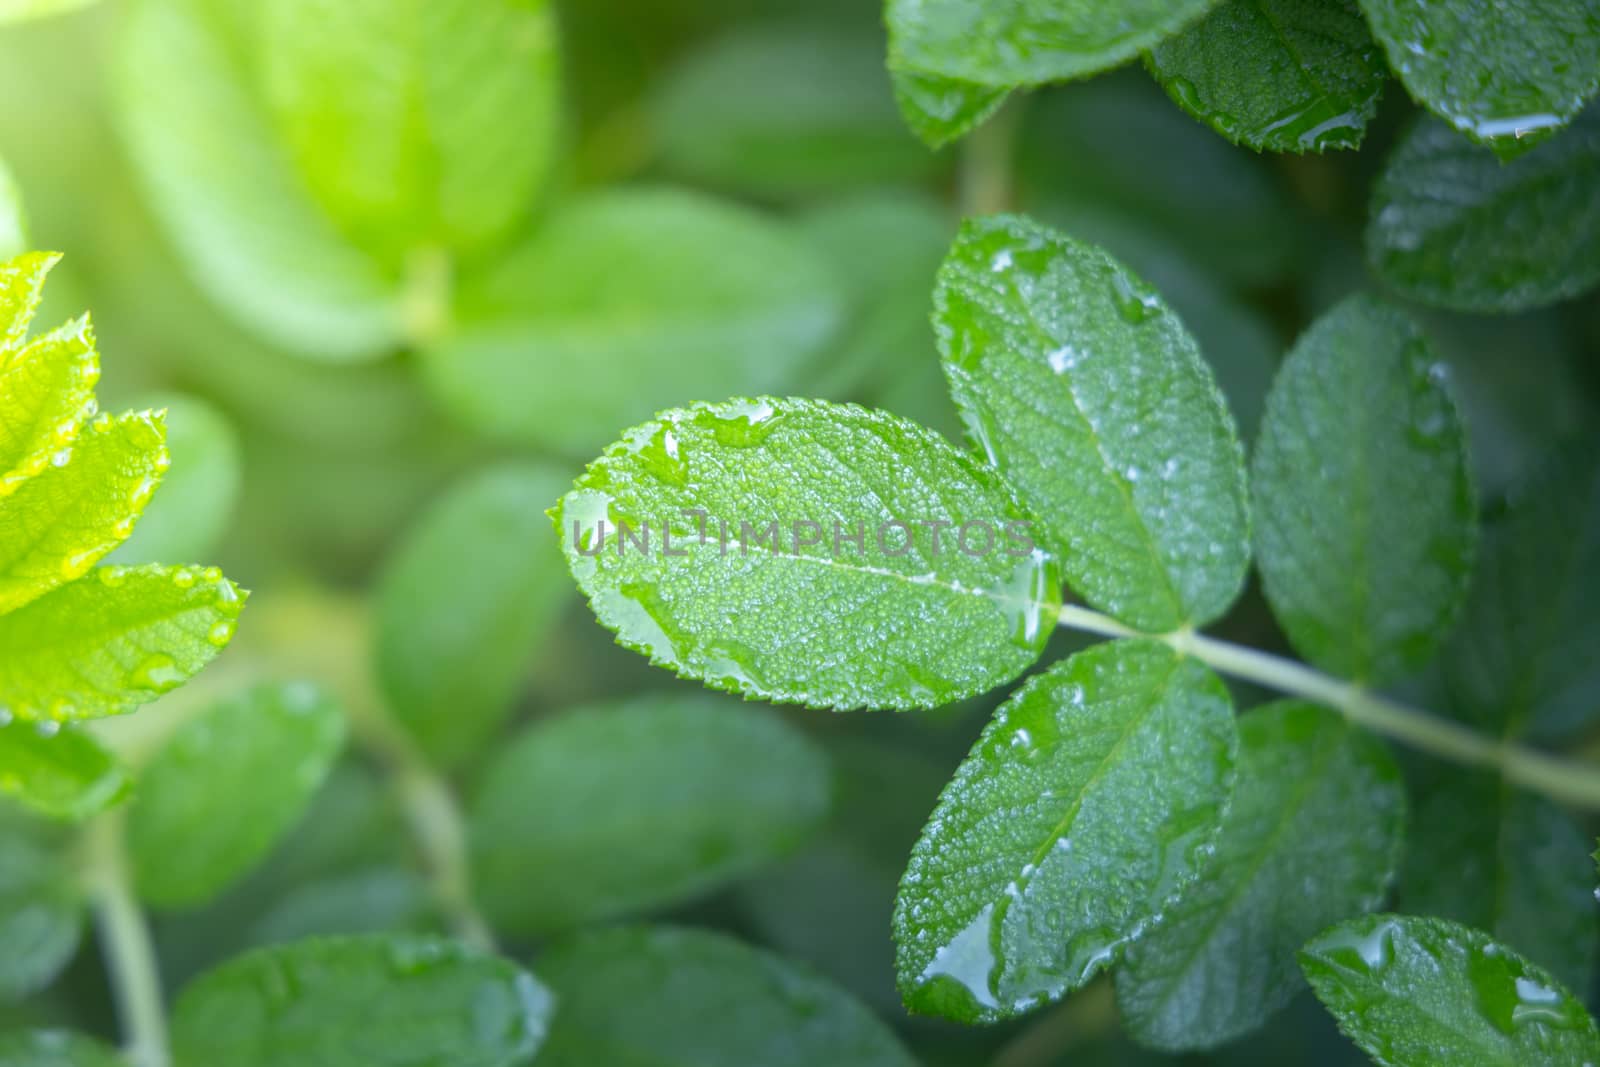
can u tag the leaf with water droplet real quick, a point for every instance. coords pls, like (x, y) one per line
(1005, 44)
(383, 1000)
(116, 639)
(939, 109)
(1506, 862)
(187, 517)
(463, 604)
(55, 1048)
(62, 775)
(1276, 75)
(555, 347)
(1522, 661)
(1092, 399)
(41, 909)
(1084, 810)
(812, 553)
(46, 386)
(643, 805)
(1418, 992)
(695, 997)
(1507, 75)
(225, 787)
(1455, 227)
(1313, 835)
(1366, 514)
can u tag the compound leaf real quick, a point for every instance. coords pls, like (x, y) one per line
(1084, 809)
(59, 773)
(701, 998)
(1453, 226)
(226, 787)
(1366, 515)
(1428, 993)
(1092, 399)
(641, 805)
(1485, 67)
(462, 604)
(117, 639)
(1276, 75)
(1312, 836)
(555, 346)
(809, 552)
(388, 1000)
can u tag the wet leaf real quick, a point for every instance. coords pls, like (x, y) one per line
(1085, 808)
(940, 110)
(59, 773)
(198, 492)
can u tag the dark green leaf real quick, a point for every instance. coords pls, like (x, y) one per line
(1509, 863)
(1090, 396)
(1084, 810)
(613, 810)
(1276, 75)
(939, 109)
(226, 786)
(462, 605)
(917, 614)
(1506, 75)
(784, 109)
(1007, 43)
(1454, 226)
(557, 347)
(1313, 836)
(1366, 516)
(41, 913)
(664, 997)
(379, 1001)
(1428, 993)
(1522, 660)
(59, 773)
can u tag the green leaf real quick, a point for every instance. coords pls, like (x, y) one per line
(19, 10)
(1313, 836)
(1366, 516)
(1085, 808)
(643, 805)
(1427, 993)
(381, 1001)
(1509, 863)
(57, 523)
(753, 494)
(54, 1048)
(1453, 226)
(1522, 660)
(226, 787)
(414, 124)
(785, 109)
(1090, 396)
(699, 998)
(204, 146)
(1276, 75)
(41, 913)
(1008, 43)
(21, 288)
(1485, 67)
(59, 773)
(186, 519)
(117, 639)
(556, 347)
(13, 222)
(940, 110)
(462, 605)
(46, 391)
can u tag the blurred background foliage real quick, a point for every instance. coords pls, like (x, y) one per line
(704, 198)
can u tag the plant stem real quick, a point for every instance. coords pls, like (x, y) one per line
(125, 942)
(985, 178)
(1565, 780)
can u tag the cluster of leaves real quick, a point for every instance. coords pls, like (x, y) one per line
(437, 180)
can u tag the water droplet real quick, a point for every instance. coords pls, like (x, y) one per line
(47, 728)
(221, 633)
(158, 672)
(744, 423)
(968, 960)
(1031, 599)
(1135, 301)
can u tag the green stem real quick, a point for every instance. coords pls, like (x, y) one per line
(986, 180)
(125, 941)
(1565, 780)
